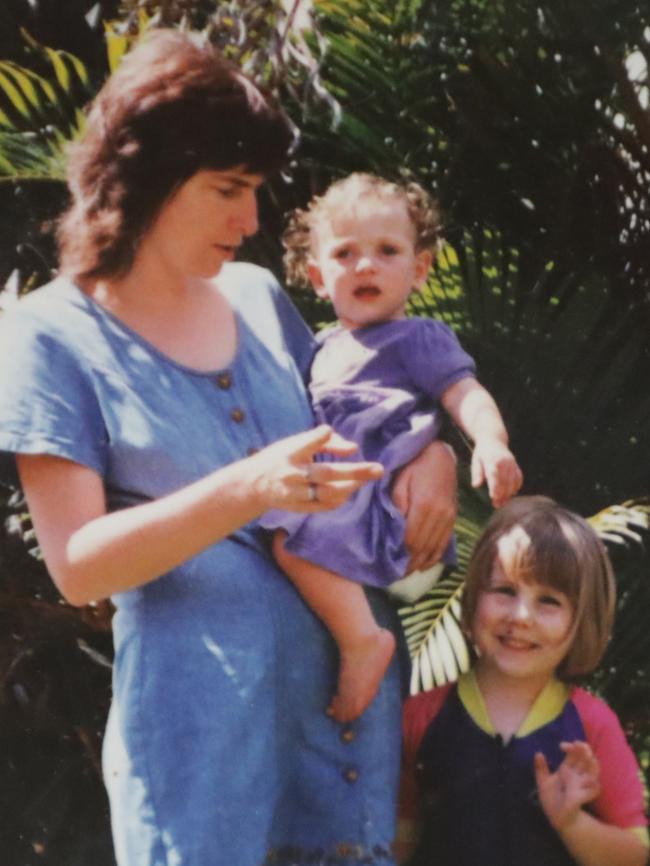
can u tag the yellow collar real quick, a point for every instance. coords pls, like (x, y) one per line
(548, 705)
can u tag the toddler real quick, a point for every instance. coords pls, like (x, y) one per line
(378, 379)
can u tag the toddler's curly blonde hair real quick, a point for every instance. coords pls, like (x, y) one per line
(298, 238)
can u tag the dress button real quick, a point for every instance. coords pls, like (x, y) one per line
(347, 735)
(224, 381)
(238, 415)
(350, 774)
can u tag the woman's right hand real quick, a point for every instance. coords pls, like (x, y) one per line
(285, 475)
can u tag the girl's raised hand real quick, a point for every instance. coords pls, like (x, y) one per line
(285, 475)
(576, 781)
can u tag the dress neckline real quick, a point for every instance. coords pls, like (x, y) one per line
(99, 311)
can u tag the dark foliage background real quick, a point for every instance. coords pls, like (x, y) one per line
(526, 122)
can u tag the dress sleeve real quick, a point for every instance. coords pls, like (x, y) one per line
(621, 801)
(47, 401)
(434, 358)
(300, 341)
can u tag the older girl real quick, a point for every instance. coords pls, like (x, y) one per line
(513, 764)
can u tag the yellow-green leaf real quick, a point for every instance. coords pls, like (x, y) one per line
(14, 95)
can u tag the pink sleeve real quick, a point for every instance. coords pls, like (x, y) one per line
(621, 801)
(419, 711)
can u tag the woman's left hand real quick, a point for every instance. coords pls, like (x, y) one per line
(425, 493)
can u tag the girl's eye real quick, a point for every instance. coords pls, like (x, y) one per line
(388, 250)
(342, 253)
(551, 600)
(503, 589)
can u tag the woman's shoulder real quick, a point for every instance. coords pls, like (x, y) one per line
(50, 313)
(244, 283)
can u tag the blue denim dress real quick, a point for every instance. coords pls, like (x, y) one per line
(218, 751)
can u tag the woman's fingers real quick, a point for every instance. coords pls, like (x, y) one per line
(331, 473)
(303, 447)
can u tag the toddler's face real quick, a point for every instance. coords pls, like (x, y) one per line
(365, 261)
(522, 628)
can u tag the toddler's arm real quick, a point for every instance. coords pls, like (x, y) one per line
(476, 413)
(564, 793)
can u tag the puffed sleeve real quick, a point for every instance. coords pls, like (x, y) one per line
(47, 401)
(621, 800)
(434, 358)
(299, 339)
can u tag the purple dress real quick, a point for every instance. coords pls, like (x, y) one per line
(378, 386)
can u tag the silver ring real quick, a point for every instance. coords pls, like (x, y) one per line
(313, 492)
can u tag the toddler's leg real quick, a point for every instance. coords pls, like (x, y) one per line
(365, 648)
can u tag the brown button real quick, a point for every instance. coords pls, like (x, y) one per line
(347, 735)
(224, 381)
(350, 774)
(252, 450)
(238, 415)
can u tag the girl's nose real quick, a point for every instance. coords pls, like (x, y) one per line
(521, 611)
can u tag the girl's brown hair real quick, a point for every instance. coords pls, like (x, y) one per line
(299, 237)
(172, 108)
(565, 553)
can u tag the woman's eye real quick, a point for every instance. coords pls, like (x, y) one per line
(227, 191)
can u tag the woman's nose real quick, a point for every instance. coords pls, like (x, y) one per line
(247, 216)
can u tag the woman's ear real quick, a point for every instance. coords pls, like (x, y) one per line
(423, 262)
(316, 278)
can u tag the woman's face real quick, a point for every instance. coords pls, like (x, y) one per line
(202, 224)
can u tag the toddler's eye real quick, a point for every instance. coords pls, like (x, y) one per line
(388, 250)
(503, 589)
(342, 253)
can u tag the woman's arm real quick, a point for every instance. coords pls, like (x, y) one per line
(92, 554)
(425, 493)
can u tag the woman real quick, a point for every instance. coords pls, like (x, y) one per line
(139, 392)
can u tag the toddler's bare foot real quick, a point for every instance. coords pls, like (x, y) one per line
(362, 667)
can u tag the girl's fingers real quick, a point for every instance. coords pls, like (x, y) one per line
(542, 771)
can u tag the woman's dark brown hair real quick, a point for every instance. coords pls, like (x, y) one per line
(563, 552)
(172, 108)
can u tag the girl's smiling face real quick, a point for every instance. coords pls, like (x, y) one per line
(522, 629)
(365, 261)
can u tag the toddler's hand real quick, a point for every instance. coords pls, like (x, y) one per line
(494, 463)
(576, 781)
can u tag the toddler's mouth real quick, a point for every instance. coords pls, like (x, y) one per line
(363, 292)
